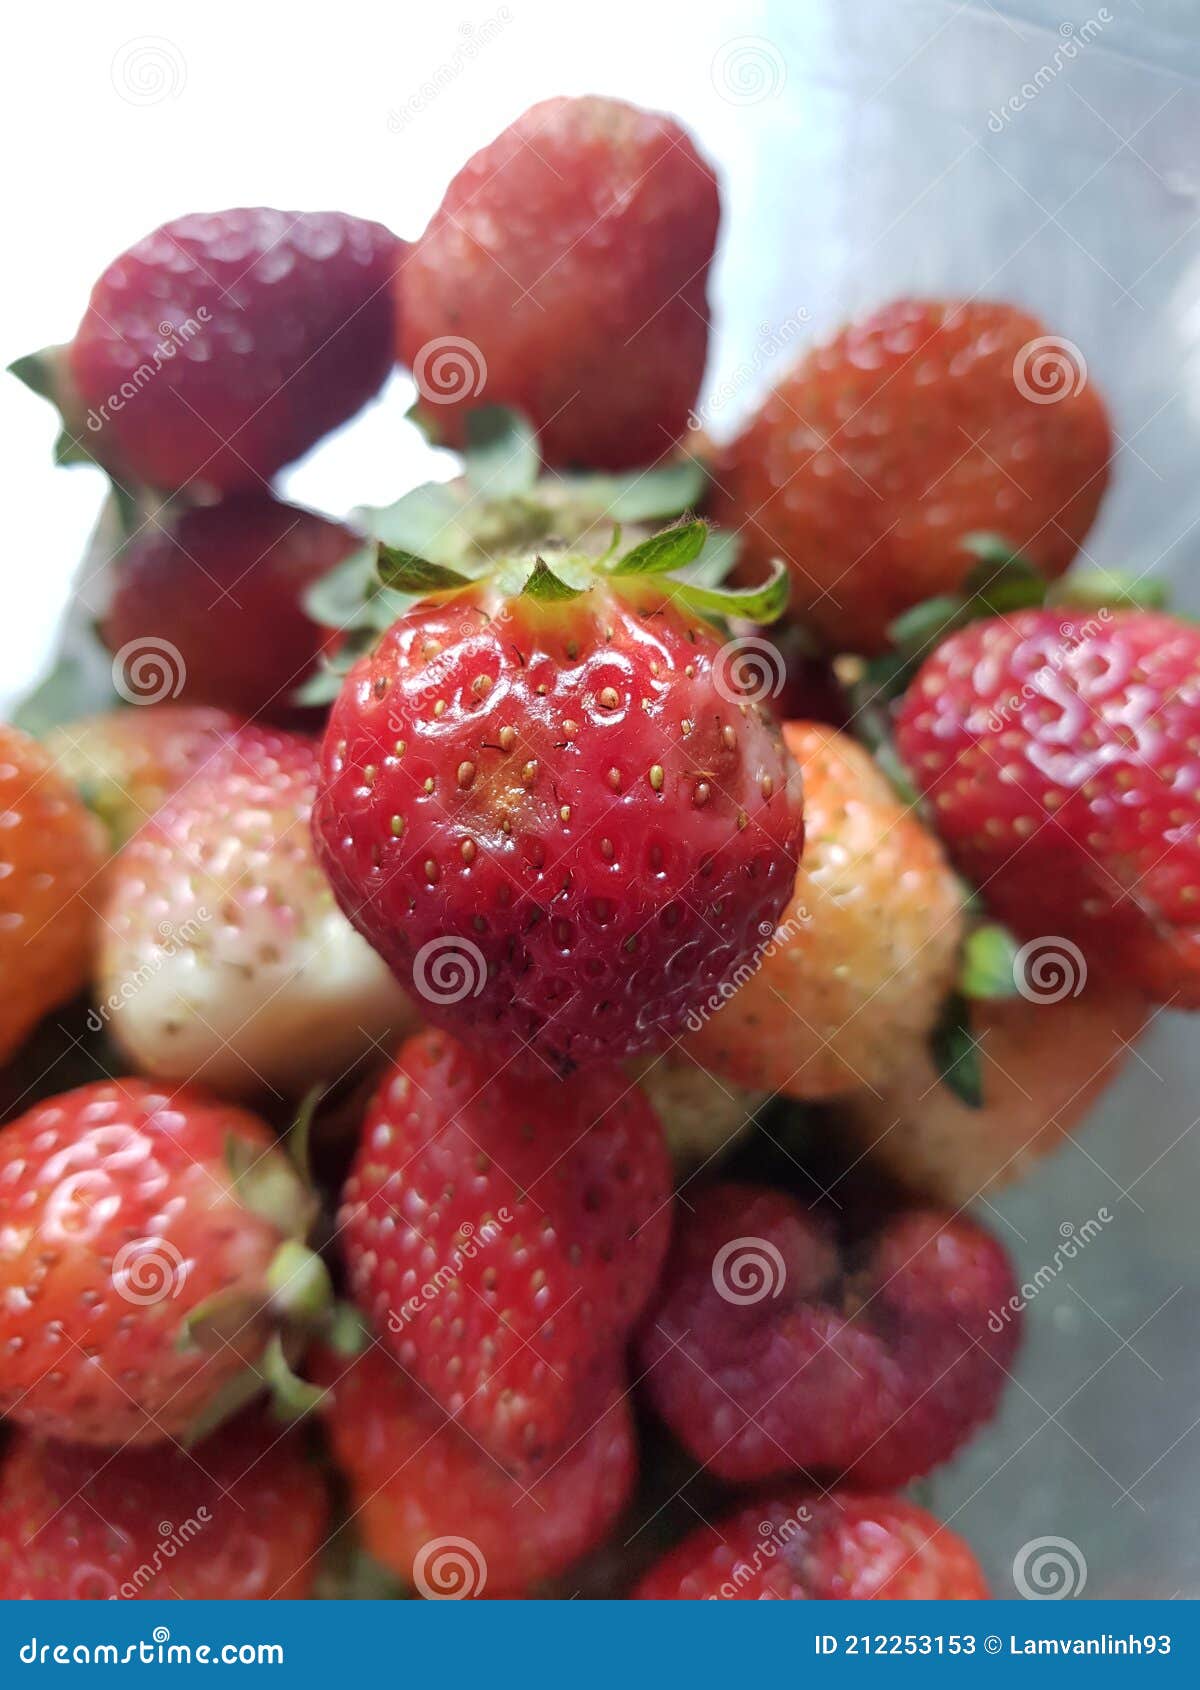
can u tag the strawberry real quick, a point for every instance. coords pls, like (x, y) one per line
(547, 804)
(51, 848)
(859, 965)
(223, 956)
(1043, 1066)
(1060, 752)
(148, 1252)
(210, 608)
(223, 345)
(775, 1344)
(880, 452)
(806, 1547)
(439, 1512)
(240, 1517)
(564, 274)
(504, 1232)
(702, 1115)
(125, 763)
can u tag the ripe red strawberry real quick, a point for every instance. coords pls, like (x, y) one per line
(777, 1345)
(1061, 752)
(223, 956)
(564, 274)
(806, 1547)
(51, 849)
(126, 1209)
(210, 608)
(239, 1518)
(555, 812)
(224, 345)
(880, 451)
(438, 1511)
(504, 1233)
(859, 967)
(125, 763)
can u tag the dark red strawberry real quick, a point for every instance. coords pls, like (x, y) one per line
(879, 453)
(1061, 752)
(777, 1345)
(210, 608)
(557, 812)
(224, 345)
(440, 1513)
(564, 274)
(808, 1547)
(149, 1248)
(504, 1233)
(240, 1517)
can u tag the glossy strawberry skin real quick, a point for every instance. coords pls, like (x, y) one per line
(880, 451)
(224, 586)
(808, 1547)
(117, 1219)
(1060, 752)
(415, 1478)
(51, 850)
(240, 1517)
(262, 330)
(569, 259)
(246, 975)
(504, 1232)
(775, 1346)
(560, 800)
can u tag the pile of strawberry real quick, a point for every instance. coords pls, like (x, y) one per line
(496, 1049)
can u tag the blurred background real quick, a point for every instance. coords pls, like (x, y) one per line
(1039, 152)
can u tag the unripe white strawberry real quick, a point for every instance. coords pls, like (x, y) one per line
(223, 955)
